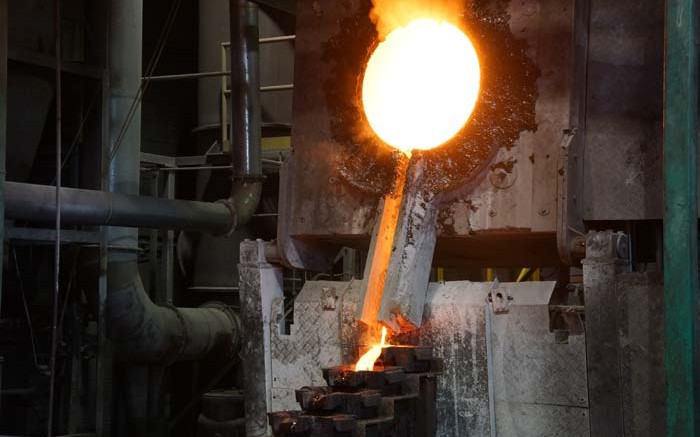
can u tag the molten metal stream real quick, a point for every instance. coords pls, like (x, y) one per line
(366, 362)
(383, 245)
(420, 87)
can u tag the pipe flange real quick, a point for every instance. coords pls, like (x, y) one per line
(234, 217)
(235, 320)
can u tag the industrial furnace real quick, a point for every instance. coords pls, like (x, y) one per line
(386, 218)
(505, 190)
(499, 177)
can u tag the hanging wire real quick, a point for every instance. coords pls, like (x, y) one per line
(150, 69)
(26, 308)
(57, 246)
(69, 287)
(165, 33)
(81, 128)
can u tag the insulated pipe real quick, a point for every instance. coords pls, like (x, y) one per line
(36, 203)
(125, 67)
(141, 330)
(246, 154)
(245, 95)
(146, 332)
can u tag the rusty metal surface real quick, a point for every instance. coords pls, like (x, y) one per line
(388, 380)
(404, 405)
(413, 359)
(535, 376)
(296, 423)
(363, 404)
(514, 195)
(505, 107)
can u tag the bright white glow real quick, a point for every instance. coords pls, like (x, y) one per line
(421, 85)
(366, 361)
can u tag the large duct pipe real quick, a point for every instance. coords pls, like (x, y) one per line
(142, 330)
(37, 203)
(146, 332)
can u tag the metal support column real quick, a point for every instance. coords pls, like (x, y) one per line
(153, 266)
(3, 138)
(105, 351)
(680, 218)
(261, 283)
(606, 258)
(169, 248)
(3, 124)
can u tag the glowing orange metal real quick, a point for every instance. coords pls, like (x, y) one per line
(420, 88)
(366, 361)
(421, 85)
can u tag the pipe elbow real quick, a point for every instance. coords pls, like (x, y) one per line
(244, 199)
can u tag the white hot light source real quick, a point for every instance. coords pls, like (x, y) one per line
(421, 85)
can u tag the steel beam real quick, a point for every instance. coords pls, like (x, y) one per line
(260, 284)
(606, 258)
(288, 6)
(680, 218)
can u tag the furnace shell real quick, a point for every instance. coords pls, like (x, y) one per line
(498, 177)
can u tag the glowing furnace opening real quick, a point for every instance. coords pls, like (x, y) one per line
(421, 85)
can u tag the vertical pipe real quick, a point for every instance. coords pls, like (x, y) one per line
(3, 125)
(245, 94)
(123, 172)
(680, 218)
(103, 410)
(168, 281)
(57, 243)
(225, 141)
(154, 268)
(125, 65)
(213, 30)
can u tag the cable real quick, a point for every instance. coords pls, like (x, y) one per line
(81, 127)
(69, 287)
(26, 308)
(57, 248)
